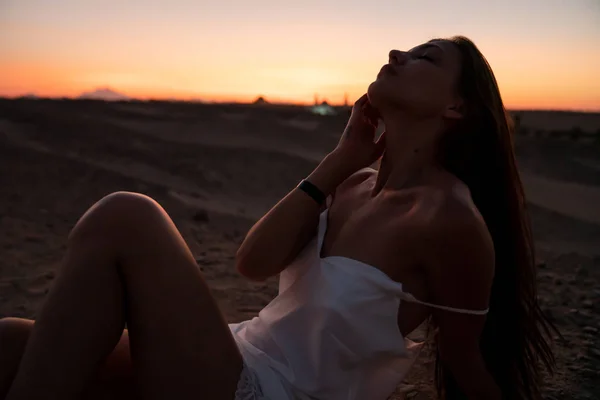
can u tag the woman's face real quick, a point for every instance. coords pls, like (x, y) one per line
(421, 81)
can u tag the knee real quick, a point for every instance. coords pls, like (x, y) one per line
(117, 212)
(128, 203)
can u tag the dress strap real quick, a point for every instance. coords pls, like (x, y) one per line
(412, 299)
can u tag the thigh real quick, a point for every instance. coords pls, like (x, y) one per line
(181, 346)
(113, 380)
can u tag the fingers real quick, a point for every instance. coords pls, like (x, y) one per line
(371, 113)
(364, 99)
(365, 108)
(366, 112)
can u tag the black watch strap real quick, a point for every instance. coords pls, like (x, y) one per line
(312, 191)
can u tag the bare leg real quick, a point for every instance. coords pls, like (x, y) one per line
(112, 381)
(126, 262)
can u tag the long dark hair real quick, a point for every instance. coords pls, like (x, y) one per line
(479, 150)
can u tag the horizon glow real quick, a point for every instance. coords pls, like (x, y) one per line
(543, 53)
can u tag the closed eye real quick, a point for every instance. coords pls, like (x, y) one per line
(426, 57)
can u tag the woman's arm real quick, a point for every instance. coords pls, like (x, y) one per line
(277, 238)
(460, 275)
(469, 371)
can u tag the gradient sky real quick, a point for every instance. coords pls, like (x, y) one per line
(545, 53)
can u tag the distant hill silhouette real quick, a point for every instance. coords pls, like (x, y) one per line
(105, 94)
(29, 96)
(260, 101)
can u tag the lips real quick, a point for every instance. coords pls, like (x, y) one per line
(387, 69)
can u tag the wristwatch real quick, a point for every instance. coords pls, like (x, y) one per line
(312, 191)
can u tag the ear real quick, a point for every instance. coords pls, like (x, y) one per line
(454, 110)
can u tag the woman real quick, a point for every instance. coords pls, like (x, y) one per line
(439, 231)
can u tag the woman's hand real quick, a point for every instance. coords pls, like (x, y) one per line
(357, 147)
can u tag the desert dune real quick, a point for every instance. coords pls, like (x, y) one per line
(218, 168)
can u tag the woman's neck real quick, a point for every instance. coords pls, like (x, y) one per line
(410, 154)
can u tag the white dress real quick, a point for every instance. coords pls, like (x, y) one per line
(331, 333)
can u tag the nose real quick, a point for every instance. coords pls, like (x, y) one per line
(397, 57)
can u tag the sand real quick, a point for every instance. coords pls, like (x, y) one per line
(218, 168)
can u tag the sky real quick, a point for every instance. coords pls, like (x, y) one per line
(545, 53)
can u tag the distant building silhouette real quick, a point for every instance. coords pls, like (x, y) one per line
(345, 99)
(323, 109)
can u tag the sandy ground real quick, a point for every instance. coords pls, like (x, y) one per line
(216, 169)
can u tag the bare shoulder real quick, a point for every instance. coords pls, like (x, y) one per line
(345, 189)
(459, 222)
(461, 265)
(360, 176)
(356, 179)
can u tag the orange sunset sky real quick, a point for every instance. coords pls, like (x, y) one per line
(545, 53)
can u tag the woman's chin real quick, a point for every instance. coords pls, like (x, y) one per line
(374, 92)
(378, 94)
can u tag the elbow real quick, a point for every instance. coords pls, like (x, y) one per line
(249, 274)
(247, 269)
